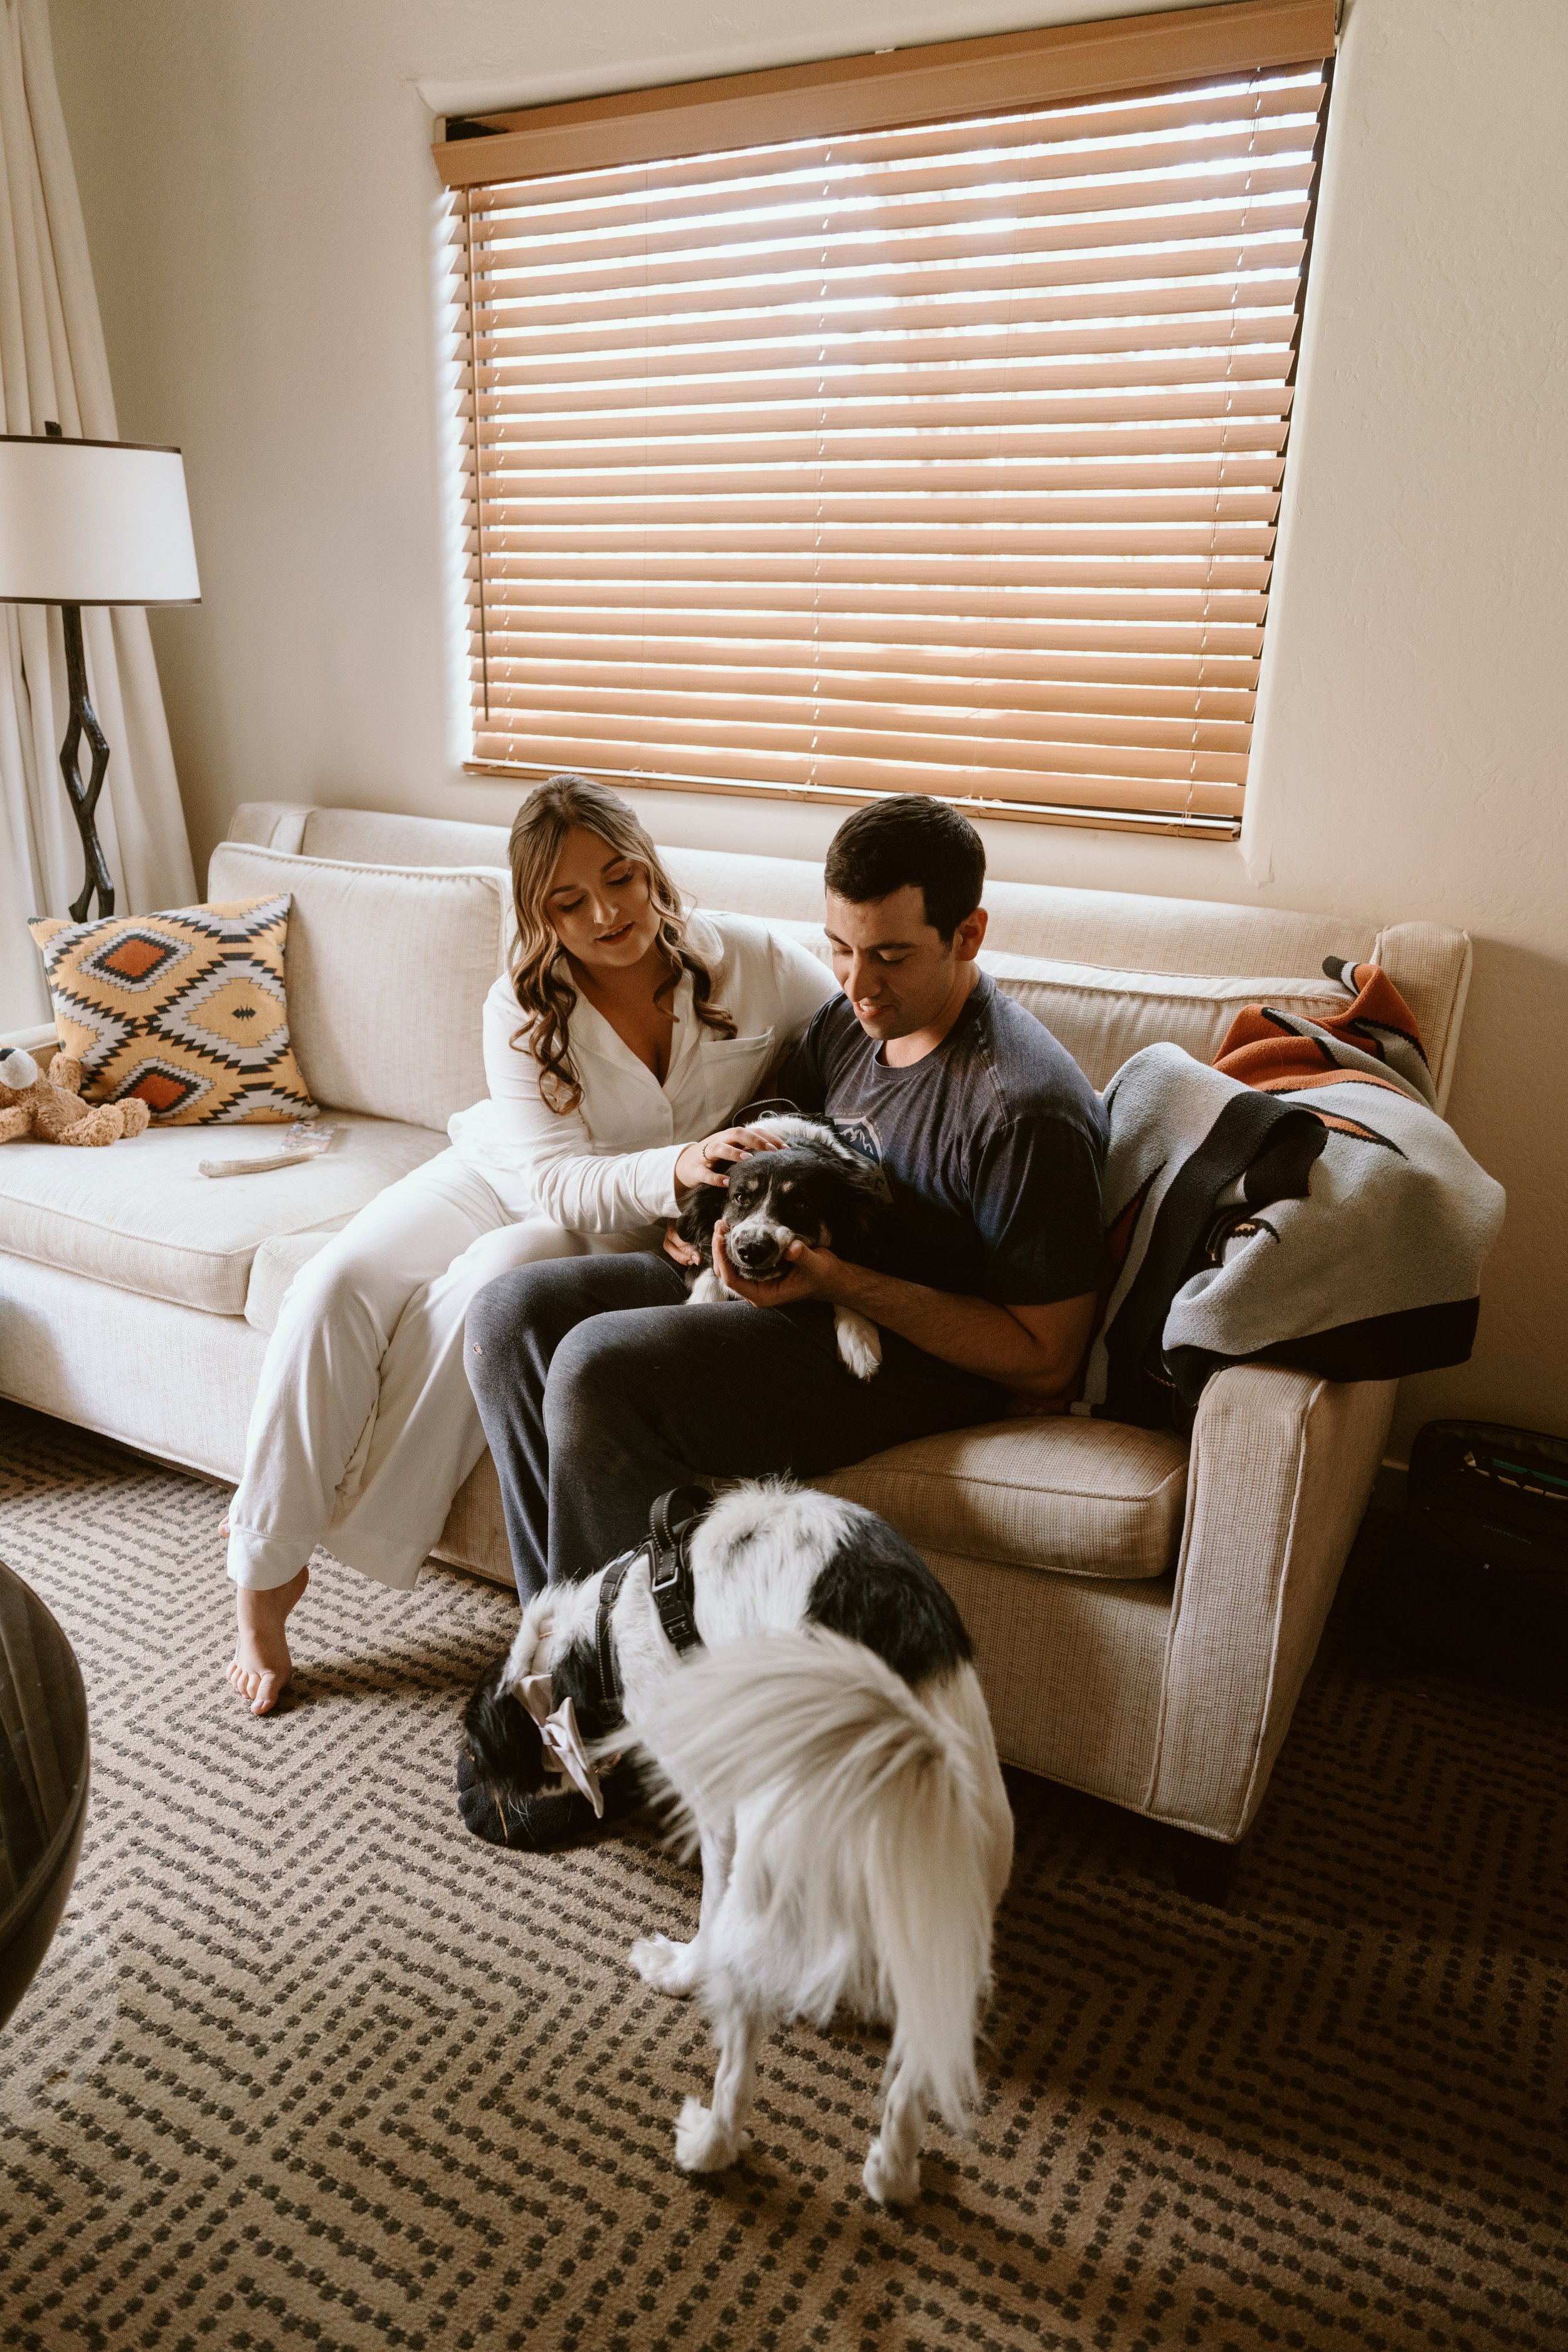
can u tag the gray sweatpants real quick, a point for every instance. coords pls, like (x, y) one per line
(600, 1388)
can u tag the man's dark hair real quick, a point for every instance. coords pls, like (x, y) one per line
(892, 843)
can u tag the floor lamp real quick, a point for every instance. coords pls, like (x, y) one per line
(91, 523)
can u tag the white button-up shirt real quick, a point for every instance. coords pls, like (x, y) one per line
(609, 1165)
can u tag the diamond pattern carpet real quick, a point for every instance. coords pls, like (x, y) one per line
(308, 2067)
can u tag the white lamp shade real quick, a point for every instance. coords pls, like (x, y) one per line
(94, 523)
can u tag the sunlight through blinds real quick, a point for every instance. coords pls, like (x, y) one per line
(942, 456)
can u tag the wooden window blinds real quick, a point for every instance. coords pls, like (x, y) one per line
(911, 422)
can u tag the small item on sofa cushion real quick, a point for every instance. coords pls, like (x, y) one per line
(307, 1140)
(185, 1012)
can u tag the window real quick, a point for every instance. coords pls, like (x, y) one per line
(914, 422)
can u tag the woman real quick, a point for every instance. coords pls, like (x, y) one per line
(624, 1028)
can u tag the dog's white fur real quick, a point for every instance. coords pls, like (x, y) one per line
(859, 1341)
(854, 1833)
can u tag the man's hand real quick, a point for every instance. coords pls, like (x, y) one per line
(1033, 1350)
(684, 1253)
(812, 1274)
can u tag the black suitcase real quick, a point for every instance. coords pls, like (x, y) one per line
(1474, 1582)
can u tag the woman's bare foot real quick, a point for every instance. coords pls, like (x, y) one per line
(262, 1665)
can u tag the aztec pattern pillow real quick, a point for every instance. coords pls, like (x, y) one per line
(183, 1011)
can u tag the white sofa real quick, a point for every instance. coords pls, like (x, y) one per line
(1143, 1611)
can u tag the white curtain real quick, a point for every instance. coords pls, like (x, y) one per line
(53, 365)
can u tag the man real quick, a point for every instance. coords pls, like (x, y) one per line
(600, 1388)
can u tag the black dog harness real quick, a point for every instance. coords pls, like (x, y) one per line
(670, 1525)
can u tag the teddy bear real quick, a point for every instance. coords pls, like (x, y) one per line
(48, 1104)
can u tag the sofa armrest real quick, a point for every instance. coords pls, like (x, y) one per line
(1282, 1468)
(41, 1042)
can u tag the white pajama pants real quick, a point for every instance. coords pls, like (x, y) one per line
(364, 1427)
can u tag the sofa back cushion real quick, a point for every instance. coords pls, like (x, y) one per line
(1103, 1016)
(1125, 938)
(387, 971)
(1123, 941)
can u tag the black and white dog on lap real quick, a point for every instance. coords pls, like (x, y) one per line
(813, 1188)
(787, 1667)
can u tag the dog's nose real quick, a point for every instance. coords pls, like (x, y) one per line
(753, 1249)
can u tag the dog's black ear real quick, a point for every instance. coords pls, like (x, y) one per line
(870, 1219)
(502, 1738)
(700, 1214)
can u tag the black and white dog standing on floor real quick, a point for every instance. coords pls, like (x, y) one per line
(822, 1727)
(812, 1189)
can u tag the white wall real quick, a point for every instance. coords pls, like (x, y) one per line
(260, 202)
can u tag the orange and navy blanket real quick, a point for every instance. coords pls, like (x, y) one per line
(1300, 1201)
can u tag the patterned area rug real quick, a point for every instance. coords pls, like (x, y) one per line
(307, 2065)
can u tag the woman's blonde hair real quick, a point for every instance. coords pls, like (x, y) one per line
(540, 975)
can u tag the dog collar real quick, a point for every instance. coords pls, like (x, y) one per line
(670, 1525)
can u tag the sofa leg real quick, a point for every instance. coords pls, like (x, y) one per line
(1204, 1868)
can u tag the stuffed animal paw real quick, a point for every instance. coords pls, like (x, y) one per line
(48, 1104)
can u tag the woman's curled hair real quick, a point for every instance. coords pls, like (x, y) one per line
(540, 974)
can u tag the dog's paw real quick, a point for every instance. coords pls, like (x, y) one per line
(704, 2146)
(708, 1290)
(665, 1965)
(886, 2184)
(860, 1343)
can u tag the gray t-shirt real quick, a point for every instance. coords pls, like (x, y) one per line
(992, 1148)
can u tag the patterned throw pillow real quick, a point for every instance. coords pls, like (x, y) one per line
(185, 1011)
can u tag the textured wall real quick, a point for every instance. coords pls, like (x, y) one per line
(261, 207)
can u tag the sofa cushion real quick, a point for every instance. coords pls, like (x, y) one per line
(1428, 963)
(276, 1263)
(1044, 919)
(1104, 1016)
(388, 969)
(1070, 1497)
(138, 1214)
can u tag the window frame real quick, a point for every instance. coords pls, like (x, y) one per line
(945, 83)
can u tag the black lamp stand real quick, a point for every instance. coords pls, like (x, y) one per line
(83, 798)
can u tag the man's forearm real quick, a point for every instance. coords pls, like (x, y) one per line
(969, 1333)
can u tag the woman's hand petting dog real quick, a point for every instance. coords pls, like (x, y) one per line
(709, 1161)
(813, 1274)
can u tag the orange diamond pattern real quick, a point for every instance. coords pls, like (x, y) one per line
(186, 1012)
